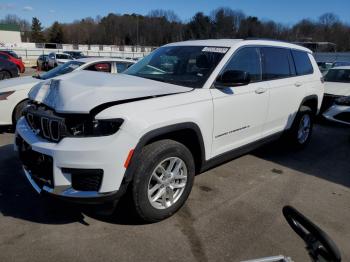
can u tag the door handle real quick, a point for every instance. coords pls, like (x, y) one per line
(297, 84)
(260, 90)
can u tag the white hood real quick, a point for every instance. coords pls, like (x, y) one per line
(337, 89)
(81, 91)
(19, 83)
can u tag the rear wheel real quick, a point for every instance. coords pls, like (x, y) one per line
(163, 180)
(300, 133)
(4, 75)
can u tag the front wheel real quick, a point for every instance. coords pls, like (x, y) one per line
(163, 180)
(300, 133)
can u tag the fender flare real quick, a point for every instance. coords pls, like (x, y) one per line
(308, 98)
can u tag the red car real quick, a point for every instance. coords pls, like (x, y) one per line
(17, 61)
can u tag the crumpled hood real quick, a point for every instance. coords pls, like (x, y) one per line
(337, 89)
(81, 91)
(18, 83)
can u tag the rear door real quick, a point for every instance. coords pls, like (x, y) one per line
(285, 88)
(240, 112)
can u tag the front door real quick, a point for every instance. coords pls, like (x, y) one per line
(240, 111)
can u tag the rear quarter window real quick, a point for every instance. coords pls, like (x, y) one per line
(302, 63)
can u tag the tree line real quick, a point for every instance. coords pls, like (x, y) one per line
(159, 27)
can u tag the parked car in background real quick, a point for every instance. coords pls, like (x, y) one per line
(17, 61)
(7, 70)
(11, 53)
(11, 108)
(337, 84)
(184, 108)
(56, 59)
(42, 62)
(340, 63)
(75, 54)
(339, 111)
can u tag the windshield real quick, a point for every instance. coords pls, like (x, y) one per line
(188, 66)
(338, 75)
(61, 70)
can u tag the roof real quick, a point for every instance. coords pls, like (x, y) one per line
(239, 42)
(9, 27)
(208, 42)
(97, 59)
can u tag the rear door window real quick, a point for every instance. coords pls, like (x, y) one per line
(302, 63)
(277, 63)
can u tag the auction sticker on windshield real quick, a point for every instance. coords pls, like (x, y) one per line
(221, 50)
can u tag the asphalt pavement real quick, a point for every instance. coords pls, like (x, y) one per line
(233, 213)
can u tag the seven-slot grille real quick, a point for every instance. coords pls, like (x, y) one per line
(45, 123)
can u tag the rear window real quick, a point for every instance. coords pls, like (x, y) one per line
(62, 56)
(302, 63)
(277, 63)
(3, 56)
(121, 67)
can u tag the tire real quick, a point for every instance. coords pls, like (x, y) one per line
(17, 113)
(153, 162)
(300, 133)
(4, 75)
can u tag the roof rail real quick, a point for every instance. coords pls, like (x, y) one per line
(266, 39)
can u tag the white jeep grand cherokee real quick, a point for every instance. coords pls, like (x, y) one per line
(184, 108)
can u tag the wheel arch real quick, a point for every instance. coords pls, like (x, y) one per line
(312, 102)
(187, 133)
(14, 110)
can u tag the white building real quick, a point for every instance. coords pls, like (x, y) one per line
(9, 34)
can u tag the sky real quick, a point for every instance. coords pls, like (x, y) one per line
(283, 11)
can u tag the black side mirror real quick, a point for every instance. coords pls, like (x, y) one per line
(233, 78)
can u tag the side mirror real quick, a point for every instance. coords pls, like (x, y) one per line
(233, 78)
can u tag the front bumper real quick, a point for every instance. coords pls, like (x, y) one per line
(327, 102)
(94, 153)
(338, 113)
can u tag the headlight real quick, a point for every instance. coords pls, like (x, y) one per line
(95, 127)
(4, 95)
(106, 127)
(343, 101)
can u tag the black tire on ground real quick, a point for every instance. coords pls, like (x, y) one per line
(17, 113)
(4, 75)
(151, 156)
(303, 121)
